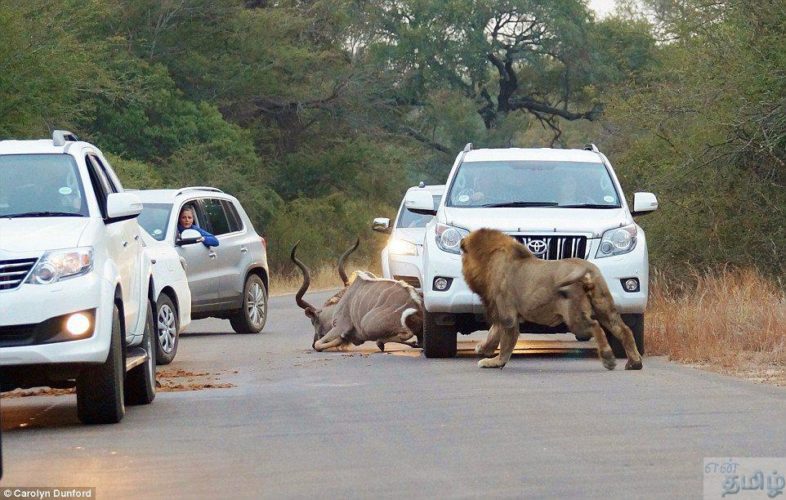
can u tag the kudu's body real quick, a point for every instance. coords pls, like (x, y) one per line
(367, 309)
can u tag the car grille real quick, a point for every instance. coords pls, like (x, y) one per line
(13, 272)
(556, 247)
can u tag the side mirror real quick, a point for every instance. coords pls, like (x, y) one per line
(188, 237)
(420, 202)
(122, 206)
(381, 225)
(644, 203)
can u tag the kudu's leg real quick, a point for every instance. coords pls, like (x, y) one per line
(488, 347)
(508, 338)
(332, 338)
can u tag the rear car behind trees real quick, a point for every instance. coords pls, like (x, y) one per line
(74, 279)
(402, 257)
(229, 281)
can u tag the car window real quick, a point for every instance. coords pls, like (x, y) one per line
(235, 223)
(407, 218)
(36, 183)
(99, 182)
(110, 182)
(551, 183)
(216, 217)
(154, 218)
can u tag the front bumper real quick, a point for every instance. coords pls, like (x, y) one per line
(458, 298)
(36, 304)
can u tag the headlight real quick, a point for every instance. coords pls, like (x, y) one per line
(617, 241)
(449, 238)
(58, 265)
(402, 247)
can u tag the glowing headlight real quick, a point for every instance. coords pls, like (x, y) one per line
(449, 238)
(78, 324)
(57, 265)
(402, 247)
(617, 241)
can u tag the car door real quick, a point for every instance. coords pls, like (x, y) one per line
(232, 252)
(201, 262)
(122, 242)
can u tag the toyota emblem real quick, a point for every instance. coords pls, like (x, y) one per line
(537, 247)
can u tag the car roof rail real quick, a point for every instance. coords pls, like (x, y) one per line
(59, 137)
(468, 147)
(197, 188)
(592, 147)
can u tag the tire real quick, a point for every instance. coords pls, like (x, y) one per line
(99, 388)
(167, 326)
(141, 380)
(252, 318)
(439, 341)
(636, 324)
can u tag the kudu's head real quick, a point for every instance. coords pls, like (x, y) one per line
(321, 318)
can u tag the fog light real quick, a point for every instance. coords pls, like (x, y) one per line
(631, 284)
(78, 324)
(441, 284)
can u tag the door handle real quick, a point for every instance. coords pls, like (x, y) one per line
(212, 255)
(243, 250)
(125, 244)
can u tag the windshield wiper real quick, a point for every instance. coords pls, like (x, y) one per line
(588, 205)
(42, 214)
(521, 204)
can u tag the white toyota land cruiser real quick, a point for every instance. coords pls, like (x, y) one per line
(561, 203)
(74, 280)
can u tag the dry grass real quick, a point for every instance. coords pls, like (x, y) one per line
(730, 321)
(323, 278)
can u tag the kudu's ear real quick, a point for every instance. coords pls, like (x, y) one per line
(311, 312)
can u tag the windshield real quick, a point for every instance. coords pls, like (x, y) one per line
(410, 219)
(154, 218)
(41, 185)
(533, 184)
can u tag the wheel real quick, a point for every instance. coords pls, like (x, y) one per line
(140, 386)
(439, 341)
(251, 319)
(99, 388)
(167, 326)
(636, 324)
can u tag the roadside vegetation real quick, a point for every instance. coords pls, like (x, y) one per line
(732, 321)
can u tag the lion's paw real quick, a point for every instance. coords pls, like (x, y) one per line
(633, 365)
(490, 363)
(607, 357)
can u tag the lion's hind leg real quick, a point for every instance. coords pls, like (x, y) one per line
(612, 322)
(581, 323)
(607, 315)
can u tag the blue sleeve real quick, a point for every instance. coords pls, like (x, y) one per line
(210, 240)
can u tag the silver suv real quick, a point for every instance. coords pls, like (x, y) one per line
(227, 281)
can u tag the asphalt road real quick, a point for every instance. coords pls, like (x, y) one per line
(362, 424)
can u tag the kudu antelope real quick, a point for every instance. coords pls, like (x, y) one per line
(366, 309)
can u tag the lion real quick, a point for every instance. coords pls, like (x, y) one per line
(517, 286)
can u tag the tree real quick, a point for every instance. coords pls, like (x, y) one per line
(503, 56)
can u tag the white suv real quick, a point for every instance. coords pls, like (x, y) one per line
(561, 203)
(74, 280)
(402, 256)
